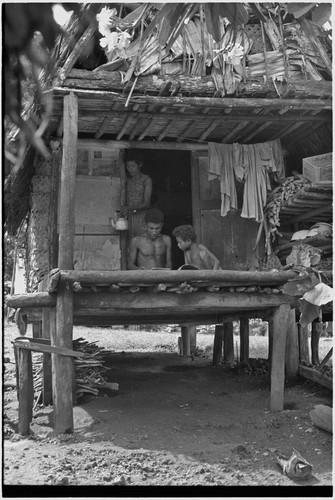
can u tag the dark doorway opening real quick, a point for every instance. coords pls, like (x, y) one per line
(172, 194)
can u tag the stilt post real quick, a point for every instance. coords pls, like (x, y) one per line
(292, 349)
(280, 320)
(63, 367)
(244, 340)
(218, 345)
(228, 345)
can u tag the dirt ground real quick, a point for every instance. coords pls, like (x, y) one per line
(174, 421)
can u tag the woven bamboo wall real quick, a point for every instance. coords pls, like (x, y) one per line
(38, 234)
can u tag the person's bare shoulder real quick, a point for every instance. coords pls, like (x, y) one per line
(166, 238)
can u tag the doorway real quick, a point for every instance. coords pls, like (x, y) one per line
(170, 172)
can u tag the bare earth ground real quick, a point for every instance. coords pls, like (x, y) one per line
(174, 421)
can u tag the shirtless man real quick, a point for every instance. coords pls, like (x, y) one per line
(150, 249)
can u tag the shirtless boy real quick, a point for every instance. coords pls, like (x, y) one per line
(150, 249)
(195, 254)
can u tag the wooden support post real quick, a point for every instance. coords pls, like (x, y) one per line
(244, 340)
(270, 347)
(218, 343)
(193, 338)
(304, 355)
(228, 345)
(315, 337)
(186, 339)
(37, 329)
(63, 367)
(292, 349)
(26, 391)
(47, 374)
(123, 234)
(280, 324)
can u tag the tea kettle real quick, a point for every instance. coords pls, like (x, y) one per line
(119, 223)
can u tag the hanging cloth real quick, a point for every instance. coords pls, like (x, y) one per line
(251, 163)
(221, 167)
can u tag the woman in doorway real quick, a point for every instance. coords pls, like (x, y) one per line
(138, 195)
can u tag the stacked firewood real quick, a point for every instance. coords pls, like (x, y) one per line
(89, 371)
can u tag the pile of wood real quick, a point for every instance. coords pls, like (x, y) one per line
(89, 371)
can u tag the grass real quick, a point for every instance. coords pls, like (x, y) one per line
(163, 340)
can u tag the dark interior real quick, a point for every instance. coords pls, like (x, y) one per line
(171, 193)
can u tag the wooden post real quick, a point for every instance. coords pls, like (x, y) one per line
(244, 340)
(37, 329)
(63, 368)
(315, 337)
(270, 347)
(218, 343)
(186, 338)
(47, 374)
(123, 234)
(193, 338)
(228, 345)
(280, 324)
(26, 391)
(292, 349)
(304, 355)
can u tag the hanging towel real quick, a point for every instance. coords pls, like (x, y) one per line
(221, 167)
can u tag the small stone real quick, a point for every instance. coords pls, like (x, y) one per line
(309, 430)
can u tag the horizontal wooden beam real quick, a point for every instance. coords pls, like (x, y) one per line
(199, 102)
(109, 79)
(186, 146)
(178, 276)
(155, 304)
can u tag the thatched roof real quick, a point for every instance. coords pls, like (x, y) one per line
(147, 81)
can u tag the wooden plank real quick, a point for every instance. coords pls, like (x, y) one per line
(165, 131)
(53, 209)
(47, 372)
(26, 391)
(63, 367)
(303, 344)
(123, 234)
(280, 325)
(244, 340)
(37, 347)
(208, 130)
(292, 349)
(233, 132)
(103, 127)
(190, 127)
(128, 120)
(325, 359)
(315, 376)
(67, 183)
(315, 338)
(218, 345)
(228, 344)
(186, 340)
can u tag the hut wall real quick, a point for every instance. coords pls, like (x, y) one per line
(38, 235)
(98, 196)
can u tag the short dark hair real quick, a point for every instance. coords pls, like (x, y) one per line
(154, 215)
(185, 233)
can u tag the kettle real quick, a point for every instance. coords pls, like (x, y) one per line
(119, 223)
